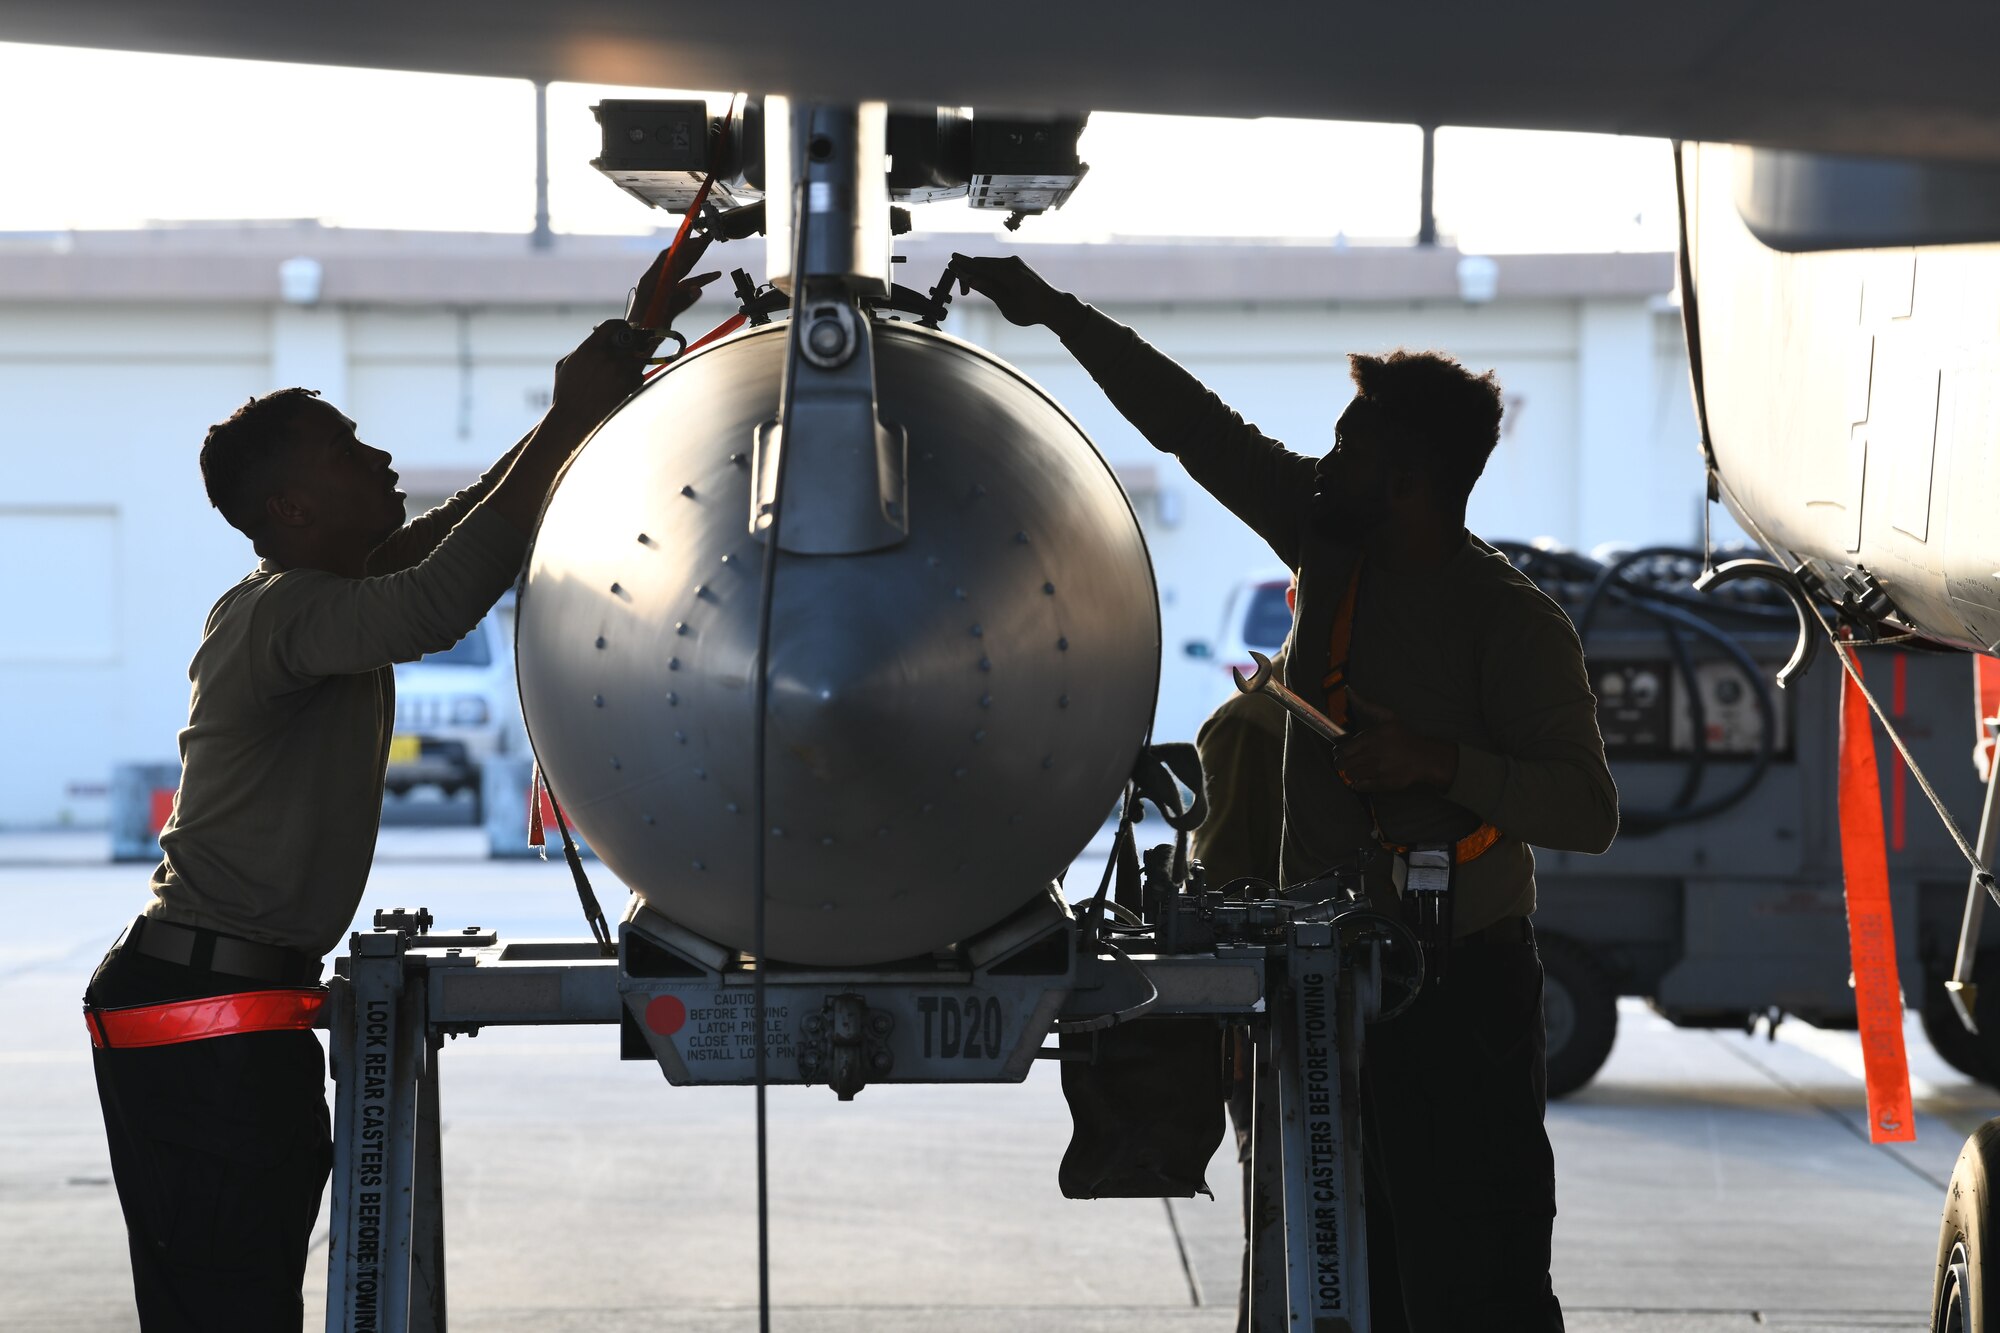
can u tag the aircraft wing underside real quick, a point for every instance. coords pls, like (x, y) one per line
(1836, 76)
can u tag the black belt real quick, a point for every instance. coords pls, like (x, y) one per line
(213, 951)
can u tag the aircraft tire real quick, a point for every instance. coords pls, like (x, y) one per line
(1580, 1008)
(1965, 1294)
(1949, 1037)
(1975, 1055)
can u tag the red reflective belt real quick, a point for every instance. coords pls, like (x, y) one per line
(210, 1016)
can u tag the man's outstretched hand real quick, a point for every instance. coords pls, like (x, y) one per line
(686, 291)
(1019, 292)
(603, 370)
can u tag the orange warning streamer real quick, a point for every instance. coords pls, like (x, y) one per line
(1871, 928)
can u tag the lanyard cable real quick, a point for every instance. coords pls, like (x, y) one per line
(759, 793)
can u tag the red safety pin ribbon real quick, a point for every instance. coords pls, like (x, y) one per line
(1871, 926)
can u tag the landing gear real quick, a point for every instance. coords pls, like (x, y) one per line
(1973, 1054)
(1965, 1297)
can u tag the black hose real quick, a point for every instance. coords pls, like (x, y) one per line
(1674, 613)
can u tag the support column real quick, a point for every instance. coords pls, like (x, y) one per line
(1964, 983)
(427, 1301)
(379, 1050)
(1267, 1191)
(1326, 1278)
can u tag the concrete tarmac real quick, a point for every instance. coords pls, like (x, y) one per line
(1708, 1181)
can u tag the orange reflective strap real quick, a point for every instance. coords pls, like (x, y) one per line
(1476, 844)
(1335, 681)
(1871, 928)
(291, 1009)
(1985, 708)
(1468, 848)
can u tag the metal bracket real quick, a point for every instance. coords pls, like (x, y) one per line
(853, 465)
(404, 920)
(834, 446)
(847, 1043)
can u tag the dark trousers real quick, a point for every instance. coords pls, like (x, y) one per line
(1460, 1178)
(220, 1149)
(1453, 1095)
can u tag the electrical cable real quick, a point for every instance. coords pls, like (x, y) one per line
(1691, 312)
(1569, 571)
(759, 794)
(1697, 765)
(1093, 911)
(1098, 1022)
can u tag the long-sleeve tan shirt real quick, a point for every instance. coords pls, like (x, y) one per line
(1242, 748)
(289, 720)
(1471, 652)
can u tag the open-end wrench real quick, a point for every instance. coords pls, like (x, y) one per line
(1265, 681)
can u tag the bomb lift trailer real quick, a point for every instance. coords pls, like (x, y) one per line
(1305, 978)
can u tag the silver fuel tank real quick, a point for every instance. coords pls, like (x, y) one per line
(950, 719)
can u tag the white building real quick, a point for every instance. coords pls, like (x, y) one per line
(118, 349)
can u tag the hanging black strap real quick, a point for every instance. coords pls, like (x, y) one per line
(1159, 776)
(592, 913)
(1161, 773)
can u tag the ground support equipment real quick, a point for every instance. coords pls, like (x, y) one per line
(1306, 978)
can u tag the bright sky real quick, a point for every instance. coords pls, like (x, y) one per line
(108, 139)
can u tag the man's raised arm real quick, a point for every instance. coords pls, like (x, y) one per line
(420, 536)
(324, 625)
(1263, 483)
